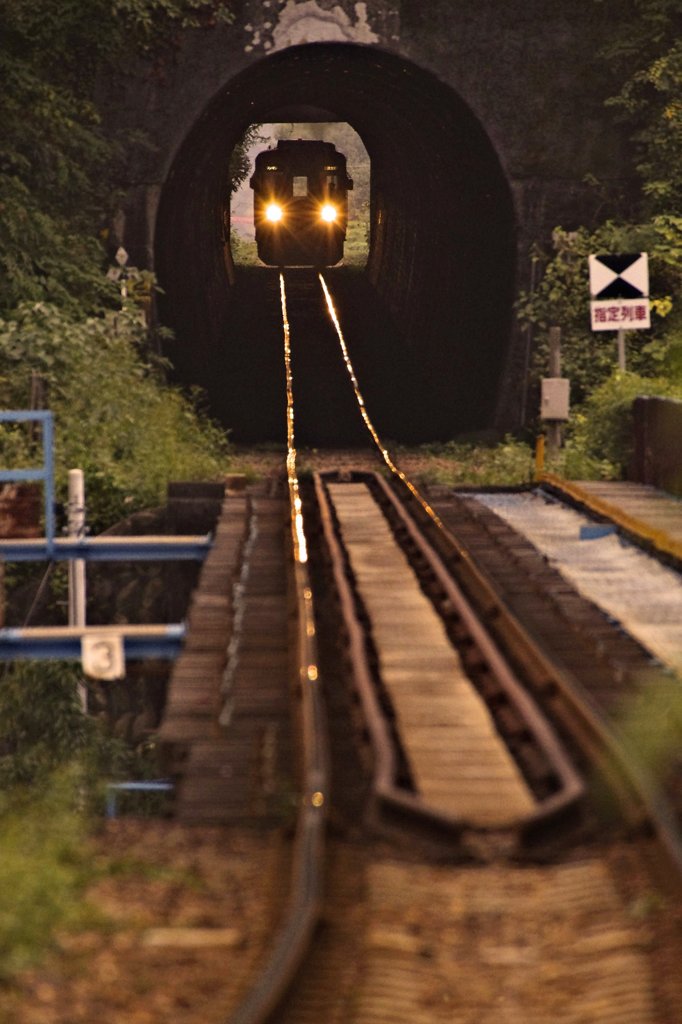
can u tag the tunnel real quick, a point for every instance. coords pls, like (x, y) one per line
(440, 270)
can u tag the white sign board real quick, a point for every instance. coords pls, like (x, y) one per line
(619, 286)
(620, 314)
(102, 656)
(619, 276)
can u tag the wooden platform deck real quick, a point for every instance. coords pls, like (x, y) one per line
(459, 763)
(638, 509)
(226, 729)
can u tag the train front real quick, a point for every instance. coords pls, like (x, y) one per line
(300, 204)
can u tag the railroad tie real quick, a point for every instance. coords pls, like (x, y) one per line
(459, 763)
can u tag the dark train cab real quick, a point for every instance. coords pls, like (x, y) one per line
(300, 203)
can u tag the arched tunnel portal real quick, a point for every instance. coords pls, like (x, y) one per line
(442, 239)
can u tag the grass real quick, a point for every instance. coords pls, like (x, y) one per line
(507, 463)
(43, 871)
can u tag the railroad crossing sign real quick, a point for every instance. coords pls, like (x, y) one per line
(619, 286)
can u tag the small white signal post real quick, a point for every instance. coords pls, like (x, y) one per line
(619, 286)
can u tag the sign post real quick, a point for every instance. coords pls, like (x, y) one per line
(619, 286)
(554, 395)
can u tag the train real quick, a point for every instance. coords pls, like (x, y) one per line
(300, 203)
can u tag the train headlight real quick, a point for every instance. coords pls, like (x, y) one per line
(274, 212)
(328, 213)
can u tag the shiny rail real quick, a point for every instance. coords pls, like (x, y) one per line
(639, 799)
(390, 797)
(291, 943)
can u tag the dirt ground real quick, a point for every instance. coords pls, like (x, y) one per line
(417, 464)
(183, 915)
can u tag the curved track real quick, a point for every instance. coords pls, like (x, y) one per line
(367, 963)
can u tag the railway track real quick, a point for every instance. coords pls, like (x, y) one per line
(458, 746)
(460, 749)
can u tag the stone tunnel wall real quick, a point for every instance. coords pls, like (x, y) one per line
(527, 73)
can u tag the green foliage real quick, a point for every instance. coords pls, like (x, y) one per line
(154, 22)
(646, 54)
(42, 869)
(562, 298)
(43, 729)
(240, 159)
(57, 167)
(460, 463)
(244, 251)
(602, 427)
(114, 417)
(59, 313)
(651, 726)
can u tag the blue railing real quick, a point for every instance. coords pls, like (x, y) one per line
(162, 641)
(45, 474)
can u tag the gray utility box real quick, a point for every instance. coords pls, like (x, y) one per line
(554, 398)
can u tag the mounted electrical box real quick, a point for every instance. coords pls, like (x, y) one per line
(554, 398)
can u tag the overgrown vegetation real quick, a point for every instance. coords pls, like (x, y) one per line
(472, 464)
(645, 58)
(42, 728)
(114, 416)
(63, 320)
(43, 868)
(74, 337)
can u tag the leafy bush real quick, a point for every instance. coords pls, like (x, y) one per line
(644, 56)
(43, 728)
(478, 465)
(602, 429)
(114, 416)
(59, 168)
(588, 357)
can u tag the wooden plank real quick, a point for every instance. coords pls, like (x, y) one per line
(457, 758)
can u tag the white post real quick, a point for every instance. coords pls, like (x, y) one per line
(77, 584)
(621, 349)
(554, 431)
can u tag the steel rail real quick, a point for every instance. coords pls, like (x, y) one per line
(638, 796)
(386, 790)
(641, 803)
(292, 940)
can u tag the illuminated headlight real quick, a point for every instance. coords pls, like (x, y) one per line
(274, 212)
(328, 213)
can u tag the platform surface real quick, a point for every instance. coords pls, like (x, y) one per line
(643, 511)
(659, 510)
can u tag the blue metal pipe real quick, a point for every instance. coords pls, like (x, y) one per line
(64, 644)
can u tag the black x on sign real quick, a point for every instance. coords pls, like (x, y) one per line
(619, 276)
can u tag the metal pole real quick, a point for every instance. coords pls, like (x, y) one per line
(620, 340)
(554, 352)
(554, 431)
(77, 582)
(48, 469)
(539, 455)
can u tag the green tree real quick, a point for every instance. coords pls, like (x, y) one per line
(645, 58)
(57, 167)
(114, 416)
(645, 53)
